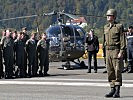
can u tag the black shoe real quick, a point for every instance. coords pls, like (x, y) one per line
(105, 71)
(130, 71)
(89, 72)
(95, 71)
(117, 92)
(46, 74)
(111, 93)
(124, 70)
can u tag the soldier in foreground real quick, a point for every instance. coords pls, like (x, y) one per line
(115, 45)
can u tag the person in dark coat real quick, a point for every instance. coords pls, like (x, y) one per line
(32, 54)
(25, 36)
(19, 47)
(42, 48)
(1, 58)
(1, 63)
(92, 48)
(129, 38)
(8, 52)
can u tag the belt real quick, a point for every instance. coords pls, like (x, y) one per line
(112, 47)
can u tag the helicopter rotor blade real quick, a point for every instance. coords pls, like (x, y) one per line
(71, 15)
(49, 14)
(22, 17)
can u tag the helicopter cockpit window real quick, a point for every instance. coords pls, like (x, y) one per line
(54, 31)
(53, 35)
(80, 32)
(67, 31)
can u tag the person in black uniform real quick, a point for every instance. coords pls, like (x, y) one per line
(1, 58)
(25, 37)
(1, 63)
(31, 45)
(8, 52)
(42, 48)
(19, 48)
(93, 48)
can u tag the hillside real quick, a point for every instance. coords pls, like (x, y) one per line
(15, 8)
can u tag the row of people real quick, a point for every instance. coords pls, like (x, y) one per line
(22, 51)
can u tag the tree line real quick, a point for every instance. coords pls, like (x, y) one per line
(16, 8)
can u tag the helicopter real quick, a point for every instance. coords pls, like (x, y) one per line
(66, 42)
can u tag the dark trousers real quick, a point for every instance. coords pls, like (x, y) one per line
(130, 56)
(32, 66)
(90, 54)
(1, 64)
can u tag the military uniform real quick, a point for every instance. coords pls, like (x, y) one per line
(1, 63)
(19, 47)
(25, 38)
(42, 48)
(31, 51)
(115, 44)
(8, 55)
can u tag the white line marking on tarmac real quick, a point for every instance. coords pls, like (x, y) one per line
(59, 83)
(67, 79)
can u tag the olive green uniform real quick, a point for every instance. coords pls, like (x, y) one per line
(8, 52)
(115, 44)
(42, 48)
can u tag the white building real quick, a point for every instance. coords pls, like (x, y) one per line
(78, 21)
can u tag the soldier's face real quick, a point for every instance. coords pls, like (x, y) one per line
(44, 36)
(8, 33)
(130, 30)
(110, 18)
(24, 31)
(19, 36)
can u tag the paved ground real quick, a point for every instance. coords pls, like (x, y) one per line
(74, 84)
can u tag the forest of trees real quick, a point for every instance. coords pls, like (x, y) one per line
(16, 8)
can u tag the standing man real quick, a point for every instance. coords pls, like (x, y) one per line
(115, 45)
(42, 48)
(1, 63)
(130, 49)
(19, 48)
(31, 45)
(8, 54)
(92, 48)
(25, 38)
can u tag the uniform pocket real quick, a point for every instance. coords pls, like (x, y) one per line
(115, 53)
(116, 37)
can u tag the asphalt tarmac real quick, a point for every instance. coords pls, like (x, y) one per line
(74, 84)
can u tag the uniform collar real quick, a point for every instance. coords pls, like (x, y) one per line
(113, 24)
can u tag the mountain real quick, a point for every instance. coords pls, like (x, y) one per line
(16, 8)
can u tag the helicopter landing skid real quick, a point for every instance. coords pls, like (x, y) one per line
(67, 66)
(78, 65)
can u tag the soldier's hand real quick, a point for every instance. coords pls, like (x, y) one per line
(120, 55)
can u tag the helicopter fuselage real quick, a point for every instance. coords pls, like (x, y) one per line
(66, 42)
